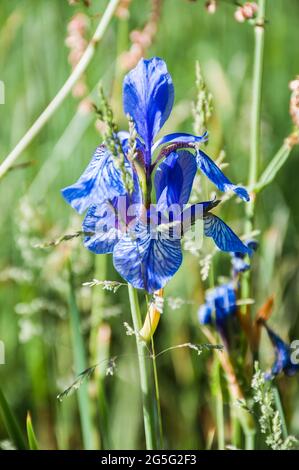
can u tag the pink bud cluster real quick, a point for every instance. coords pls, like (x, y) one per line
(142, 39)
(294, 101)
(246, 12)
(77, 43)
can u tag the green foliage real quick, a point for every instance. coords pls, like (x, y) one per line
(33, 445)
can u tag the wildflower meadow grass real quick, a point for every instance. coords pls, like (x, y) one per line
(149, 226)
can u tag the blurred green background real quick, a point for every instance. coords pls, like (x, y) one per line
(34, 283)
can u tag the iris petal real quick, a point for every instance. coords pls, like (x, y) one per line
(205, 314)
(101, 221)
(145, 261)
(211, 170)
(148, 96)
(100, 181)
(223, 236)
(282, 355)
(176, 173)
(196, 212)
(178, 138)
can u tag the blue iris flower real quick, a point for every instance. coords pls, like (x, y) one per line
(222, 302)
(283, 352)
(238, 259)
(146, 242)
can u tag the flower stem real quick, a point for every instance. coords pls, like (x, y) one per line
(143, 371)
(259, 34)
(63, 92)
(255, 138)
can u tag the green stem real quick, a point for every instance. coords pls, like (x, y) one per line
(219, 409)
(144, 375)
(157, 392)
(219, 397)
(255, 149)
(248, 426)
(249, 440)
(255, 137)
(279, 408)
(80, 364)
(236, 427)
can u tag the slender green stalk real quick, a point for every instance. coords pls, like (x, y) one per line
(249, 440)
(80, 364)
(279, 408)
(236, 427)
(255, 135)
(218, 389)
(219, 408)
(64, 91)
(143, 371)
(248, 426)
(157, 392)
(257, 93)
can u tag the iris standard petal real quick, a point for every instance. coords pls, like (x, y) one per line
(223, 236)
(101, 180)
(148, 96)
(211, 170)
(145, 261)
(102, 223)
(180, 138)
(176, 173)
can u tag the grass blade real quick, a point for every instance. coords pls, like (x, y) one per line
(11, 424)
(33, 445)
(274, 166)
